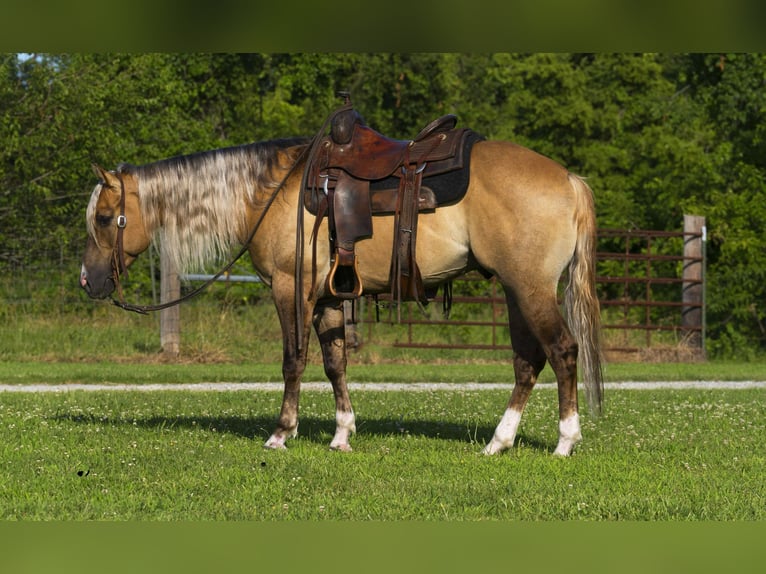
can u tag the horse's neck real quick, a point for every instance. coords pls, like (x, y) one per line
(197, 223)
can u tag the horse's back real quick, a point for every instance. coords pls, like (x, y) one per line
(512, 172)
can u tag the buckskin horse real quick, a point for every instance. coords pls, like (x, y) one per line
(523, 218)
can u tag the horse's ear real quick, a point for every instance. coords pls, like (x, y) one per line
(98, 170)
(106, 176)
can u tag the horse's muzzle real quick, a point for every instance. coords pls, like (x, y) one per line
(96, 289)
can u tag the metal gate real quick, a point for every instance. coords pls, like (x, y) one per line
(650, 286)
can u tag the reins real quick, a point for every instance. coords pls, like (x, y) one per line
(119, 259)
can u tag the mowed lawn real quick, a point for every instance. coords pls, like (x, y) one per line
(659, 455)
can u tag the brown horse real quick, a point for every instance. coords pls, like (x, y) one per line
(524, 219)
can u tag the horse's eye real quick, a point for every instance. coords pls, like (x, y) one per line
(104, 220)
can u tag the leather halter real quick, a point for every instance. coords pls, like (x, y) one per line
(118, 258)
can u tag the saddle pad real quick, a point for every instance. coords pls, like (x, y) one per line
(448, 187)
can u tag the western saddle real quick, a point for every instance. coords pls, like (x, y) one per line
(354, 172)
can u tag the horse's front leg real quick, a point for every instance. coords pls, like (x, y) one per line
(330, 326)
(293, 360)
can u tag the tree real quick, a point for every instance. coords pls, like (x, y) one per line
(657, 136)
(731, 89)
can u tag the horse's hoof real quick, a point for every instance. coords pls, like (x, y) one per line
(563, 450)
(341, 447)
(275, 443)
(494, 447)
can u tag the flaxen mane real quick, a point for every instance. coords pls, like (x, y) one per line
(197, 203)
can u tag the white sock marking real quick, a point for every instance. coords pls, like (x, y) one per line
(505, 433)
(278, 438)
(345, 424)
(569, 434)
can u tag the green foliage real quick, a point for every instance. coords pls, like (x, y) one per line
(657, 136)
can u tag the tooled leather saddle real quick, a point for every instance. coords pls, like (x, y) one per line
(355, 172)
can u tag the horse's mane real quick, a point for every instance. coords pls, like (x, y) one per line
(197, 203)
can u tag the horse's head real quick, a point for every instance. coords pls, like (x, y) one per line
(116, 232)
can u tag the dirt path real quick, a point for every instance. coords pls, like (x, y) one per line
(412, 387)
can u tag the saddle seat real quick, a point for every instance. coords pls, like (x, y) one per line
(369, 155)
(357, 172)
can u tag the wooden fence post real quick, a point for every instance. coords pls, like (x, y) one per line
(693, 287)
(170, 318)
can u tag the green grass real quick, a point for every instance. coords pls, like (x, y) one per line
(670, 455)
(676, 455)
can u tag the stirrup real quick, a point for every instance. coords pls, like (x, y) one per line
(356, 291)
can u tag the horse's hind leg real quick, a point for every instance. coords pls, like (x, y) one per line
(329, 323)
(561, 349)
(540, 332)
(528, 360)
(562, 356)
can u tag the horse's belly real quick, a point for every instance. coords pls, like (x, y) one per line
(442, 249)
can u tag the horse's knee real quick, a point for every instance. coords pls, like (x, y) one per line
(334, 359)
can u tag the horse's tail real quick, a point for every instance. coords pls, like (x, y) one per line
(581, 302)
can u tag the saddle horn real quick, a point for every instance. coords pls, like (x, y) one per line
(342, 125)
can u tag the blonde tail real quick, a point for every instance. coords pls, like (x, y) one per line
(581, 301)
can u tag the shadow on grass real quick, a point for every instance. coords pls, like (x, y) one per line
(314, 429)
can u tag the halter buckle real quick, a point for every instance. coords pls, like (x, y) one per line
(122, 221)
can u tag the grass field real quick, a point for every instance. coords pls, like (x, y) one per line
(664, 455)
(668, 455)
